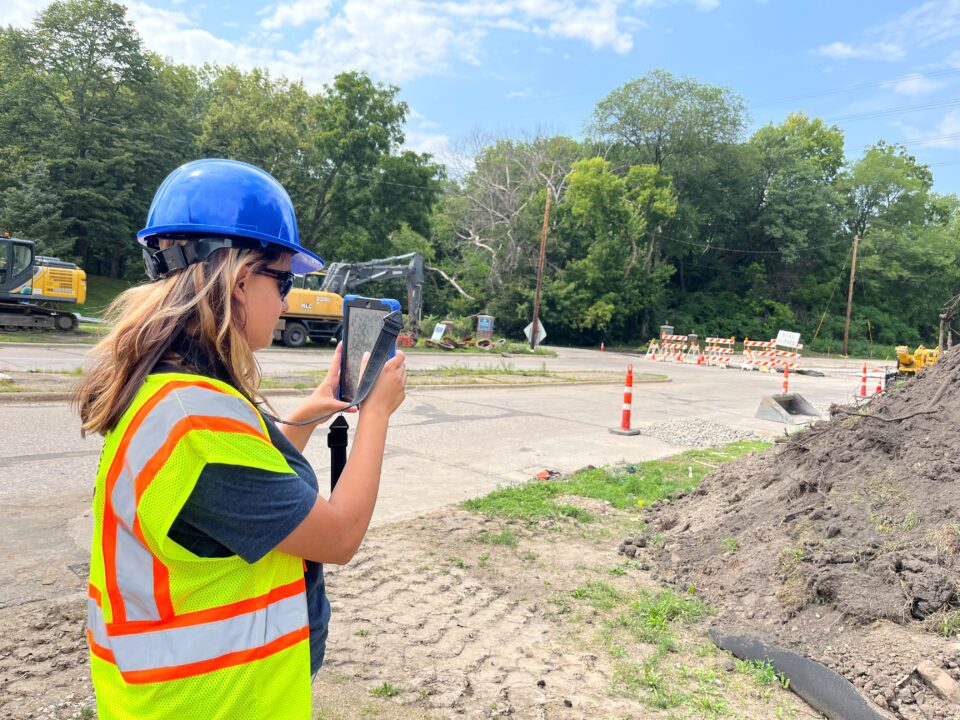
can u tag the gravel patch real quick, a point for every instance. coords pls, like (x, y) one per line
(696, 433)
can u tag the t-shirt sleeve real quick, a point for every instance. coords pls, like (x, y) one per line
(248, 510)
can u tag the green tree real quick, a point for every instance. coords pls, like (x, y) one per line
(609, 288)
(32, 210)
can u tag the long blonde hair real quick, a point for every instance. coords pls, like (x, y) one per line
(187, 318)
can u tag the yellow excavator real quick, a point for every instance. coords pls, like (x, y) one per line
(33, 287)
(315, 304)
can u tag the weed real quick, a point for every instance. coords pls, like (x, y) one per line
(601, 595)
(529, 556)
(649, 616)
(87, 714)
(730, 544)
(950, 623)
(762, 672)
(483, 561)
(362, 633)
(505, 537)
(459, 563)
(386, 691)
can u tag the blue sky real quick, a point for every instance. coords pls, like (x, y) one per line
(879, 70)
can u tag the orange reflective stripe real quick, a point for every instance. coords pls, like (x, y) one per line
(95, 594)
(109, 531)
(199, 617)
(98, 650)
(178, 672)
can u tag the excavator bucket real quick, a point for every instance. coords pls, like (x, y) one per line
(790, 408)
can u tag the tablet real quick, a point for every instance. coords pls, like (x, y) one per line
(362, 320)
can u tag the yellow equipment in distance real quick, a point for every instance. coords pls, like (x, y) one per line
(32, 286)
(912, 363)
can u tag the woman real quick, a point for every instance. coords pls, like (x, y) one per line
(206, 585)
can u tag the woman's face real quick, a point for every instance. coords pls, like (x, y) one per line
(259, 297)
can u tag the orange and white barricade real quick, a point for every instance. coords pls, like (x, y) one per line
(653, 351)
(719, 351)
(759, 354)
(674, 347)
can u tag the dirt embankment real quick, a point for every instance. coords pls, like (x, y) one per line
(841, 543)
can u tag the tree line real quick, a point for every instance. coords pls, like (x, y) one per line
(664, 212)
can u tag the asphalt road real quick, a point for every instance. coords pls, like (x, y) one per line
(445, 445)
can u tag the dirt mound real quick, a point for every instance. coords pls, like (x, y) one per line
(841, 542)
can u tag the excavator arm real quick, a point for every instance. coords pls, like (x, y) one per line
(345, 277)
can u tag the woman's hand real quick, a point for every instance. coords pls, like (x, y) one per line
(324, 400)
(389, 390)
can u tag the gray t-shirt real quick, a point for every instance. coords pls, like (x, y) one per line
(237, 510)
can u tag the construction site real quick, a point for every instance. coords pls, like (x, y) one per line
(826, 534)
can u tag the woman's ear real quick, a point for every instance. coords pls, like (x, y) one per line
(240, 286)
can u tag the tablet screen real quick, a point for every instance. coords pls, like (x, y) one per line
(360, 334)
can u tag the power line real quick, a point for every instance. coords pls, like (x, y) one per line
(859, 86)
(868, 115)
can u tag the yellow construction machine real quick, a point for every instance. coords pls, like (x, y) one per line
(315, 303)
(32, 288)
(911, 363)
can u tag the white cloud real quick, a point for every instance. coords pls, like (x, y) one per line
(297, 14)
(867, 51)
(926, 25)
(437, 145)
(19, 13)
(706, 5)
(944, 135)
(393, 40)
(513, 94)
(917, 84)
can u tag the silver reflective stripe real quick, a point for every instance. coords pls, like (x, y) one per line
(135, 577)
(173, 647)
(96, 623)
(134, 561)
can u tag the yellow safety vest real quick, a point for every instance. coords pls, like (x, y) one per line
(173, 635)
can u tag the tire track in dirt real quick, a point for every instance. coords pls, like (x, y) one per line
(471, 646)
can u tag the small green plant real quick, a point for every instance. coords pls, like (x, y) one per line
(601, 595)
(950, 623)
(507, 537)
(386, 691)
(87, 714)
(483, 561)
(459, 563)
(730, 544)
(650, 616)
(762, 672)
(362, 633)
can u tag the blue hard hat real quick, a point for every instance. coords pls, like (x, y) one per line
(231, 199)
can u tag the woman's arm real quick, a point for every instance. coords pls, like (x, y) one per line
(333, 529)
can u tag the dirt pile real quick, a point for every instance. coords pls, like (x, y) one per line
(841, 543)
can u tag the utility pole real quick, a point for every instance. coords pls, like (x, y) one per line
(535, 328)
(853, 270)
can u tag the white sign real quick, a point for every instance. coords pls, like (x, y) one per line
(438, 332)
(541, 332)
(788, 339)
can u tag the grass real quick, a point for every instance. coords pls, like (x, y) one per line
(386, 690)
(484, 370)
(624, 487)
(100, 293)
(506, 537)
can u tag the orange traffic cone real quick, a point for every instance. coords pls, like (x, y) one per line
(863, 382)
(786, 380)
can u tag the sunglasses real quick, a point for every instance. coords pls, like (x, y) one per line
(284, 279)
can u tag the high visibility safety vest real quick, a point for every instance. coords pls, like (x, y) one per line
(173, 635)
